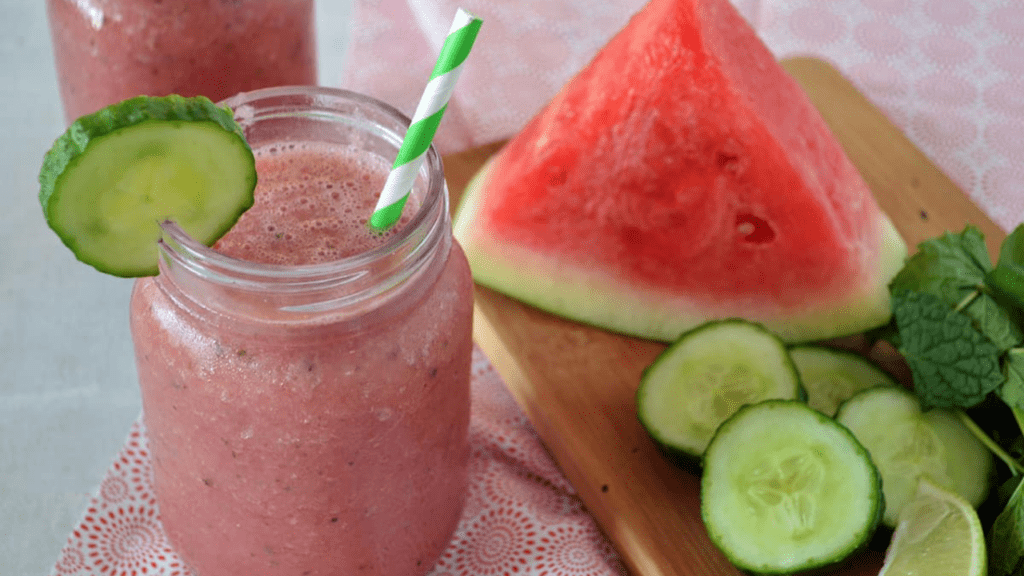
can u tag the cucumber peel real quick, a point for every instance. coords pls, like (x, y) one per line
(111, 178)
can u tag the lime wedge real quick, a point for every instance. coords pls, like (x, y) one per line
(111, 178)
(938, 534)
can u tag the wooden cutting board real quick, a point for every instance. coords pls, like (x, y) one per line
(577, 383)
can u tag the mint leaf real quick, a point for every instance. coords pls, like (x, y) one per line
(1011, 252)
(948, 266)
(1012, 390)
(953, 364)
(994, 321)
(1006, 540)
(955, 267)
(1008, 276)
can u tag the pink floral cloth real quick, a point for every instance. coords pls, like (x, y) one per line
(521, 515)
(948, 72)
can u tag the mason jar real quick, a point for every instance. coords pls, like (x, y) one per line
(108, 50)
(305, 382)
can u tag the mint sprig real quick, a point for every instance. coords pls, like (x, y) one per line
(958, 321)
(956, 330)
(954, 268)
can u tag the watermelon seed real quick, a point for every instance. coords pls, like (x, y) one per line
(727, 161)
(754, 229)
(557, 176)
(631, 235)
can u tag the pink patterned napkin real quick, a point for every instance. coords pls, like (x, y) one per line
(521, 516)
(949, 73)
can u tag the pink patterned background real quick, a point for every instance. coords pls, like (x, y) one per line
(948, 72)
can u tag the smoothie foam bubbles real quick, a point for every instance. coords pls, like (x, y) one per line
(319, 197)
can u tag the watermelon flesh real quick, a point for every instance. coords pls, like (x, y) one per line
(683, 176)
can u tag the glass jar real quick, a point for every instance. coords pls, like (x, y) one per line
(311, 418)
(109, 50)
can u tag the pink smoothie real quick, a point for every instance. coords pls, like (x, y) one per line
(332, 449)
(109, 50)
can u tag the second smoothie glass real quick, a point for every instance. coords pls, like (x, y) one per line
(108, 50)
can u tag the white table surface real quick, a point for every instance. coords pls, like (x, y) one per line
(68, 393)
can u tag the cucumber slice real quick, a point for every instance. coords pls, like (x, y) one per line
(787, 489)
(832, 376)
(906, 444)
(114, 175)
(705, 376)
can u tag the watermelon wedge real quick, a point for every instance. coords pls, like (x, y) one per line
(683, 176)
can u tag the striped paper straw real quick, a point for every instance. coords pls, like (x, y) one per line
(424, 122)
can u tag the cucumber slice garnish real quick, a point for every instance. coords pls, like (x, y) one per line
(114, 175)
(787, 489)
(907, 444)
(705, 376)
(832, 376)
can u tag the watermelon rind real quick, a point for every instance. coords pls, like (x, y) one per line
(589, 294)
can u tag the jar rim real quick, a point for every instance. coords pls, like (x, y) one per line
(423, 228)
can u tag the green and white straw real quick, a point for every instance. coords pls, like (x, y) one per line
(424, 122)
